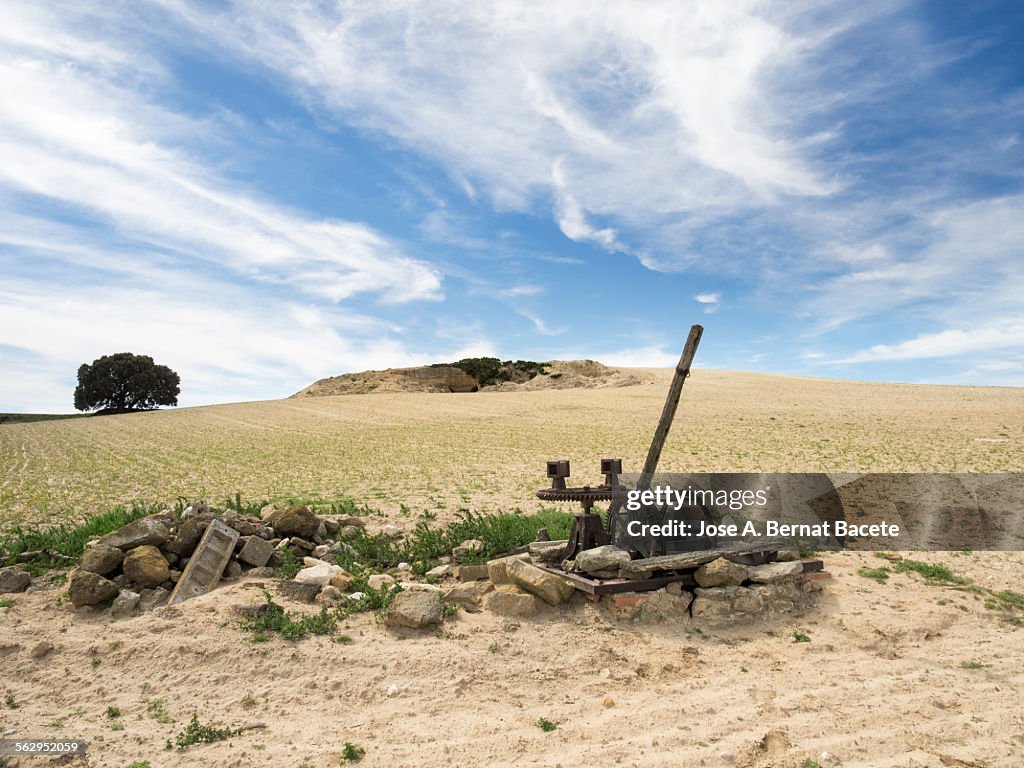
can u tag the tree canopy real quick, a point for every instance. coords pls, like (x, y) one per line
(124, 382)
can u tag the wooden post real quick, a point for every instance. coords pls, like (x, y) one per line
(669, 411)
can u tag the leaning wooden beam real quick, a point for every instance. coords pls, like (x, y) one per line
(671, 405)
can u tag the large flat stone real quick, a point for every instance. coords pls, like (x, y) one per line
(552, 589)
(773, 572)
(415, 610)
(509, 600)
(606, 558)
(147, 531)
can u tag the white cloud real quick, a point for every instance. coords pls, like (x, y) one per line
(540, 325)
(631, 115)
(953, 342)
(72, 133)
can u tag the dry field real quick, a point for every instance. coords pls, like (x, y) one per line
(892, 675)
(486, 451)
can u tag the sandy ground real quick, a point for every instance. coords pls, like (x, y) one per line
(881, 683)
(890, 677)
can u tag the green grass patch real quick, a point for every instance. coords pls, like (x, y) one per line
(934, 573)
(422, 547)
(972, 665)
(68, 539)
(6, 603)
(801, 637)
(274, 618)
(881, 575)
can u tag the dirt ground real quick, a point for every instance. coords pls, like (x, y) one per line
(895, 674)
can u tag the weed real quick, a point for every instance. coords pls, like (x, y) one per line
(493, 648)
(450, 609)
(800, 637)
(972, 665)
(881, 575)
(6, 602)
(808, 763)
(158, 712)
(546, 725)
(195, 733)
(140, 764)
(67, 539)
(351, 753)
(934, 573)
(343, 640)
(11, 703)
(274, 618)
(289, 567)
(249, 702)
(113, 712)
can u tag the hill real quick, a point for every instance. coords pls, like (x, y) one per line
(475, 375)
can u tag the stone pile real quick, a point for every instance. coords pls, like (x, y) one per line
(136, 567)
(721, 590)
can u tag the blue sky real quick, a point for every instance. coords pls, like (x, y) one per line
(262, 194)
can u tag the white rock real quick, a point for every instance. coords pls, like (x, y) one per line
(404, 567)
(356, 596)
(419, 586)
(378, 580)
(392, 690)
(440, 571)
(318, 574)
(309, 562)
(391, 531)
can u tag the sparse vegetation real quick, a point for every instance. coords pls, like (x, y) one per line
(546, 725)
(196, 733)
(352, 753)
(801, 637)
(274, 618)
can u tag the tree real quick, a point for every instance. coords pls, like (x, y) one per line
(125, 382)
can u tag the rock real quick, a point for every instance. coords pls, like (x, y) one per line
(468, 547)
(604, 558)
(404, 566)
(473, 572)
(661, 607)
(231, 571)
(300, 547)
(124, 604)
(415, 610)
(329, 594)
(149, 531)
(87, 588)
(552, 589)
(256, 551)
(787, 555)
(346, 520)
(296, 520)
(721, 573)
(41, 650)
(772, 572)
(341, 548)
(102, 559)
(469, 596)
(267, 512)
(331, 525)
(729, 603)
(342, 579)
(355, 597)
(542, 535)
(188, 535)
(246, 525)
(265, 572)
(439, 572)
(13, 578)
(296, 590)
(150, 599)
(391, 531)
(509, 600)
(379, 580)
(320, 574)
(350, 531)
(322, 550)
(546, 551)
(146, 567)
(497, 570)
(414, 586)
